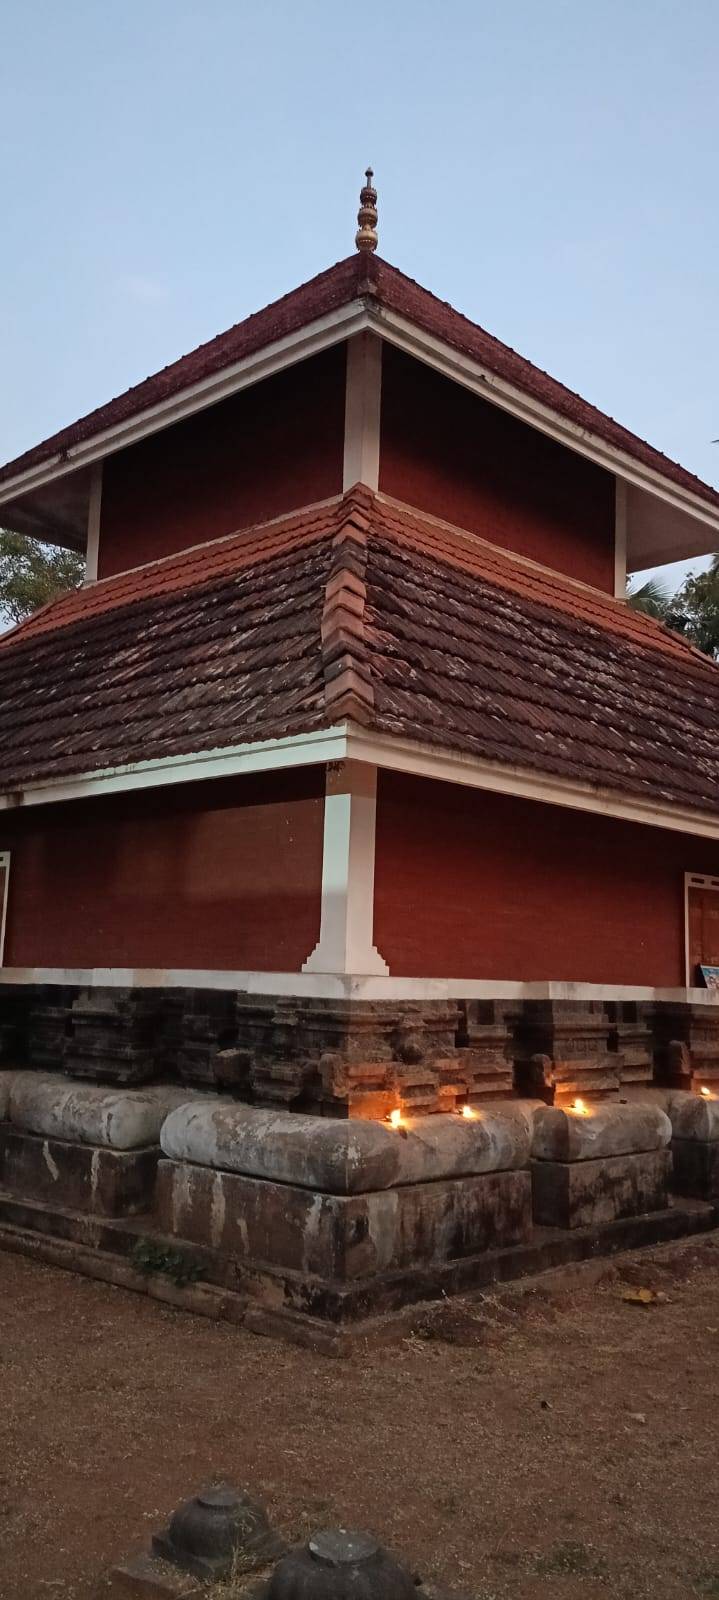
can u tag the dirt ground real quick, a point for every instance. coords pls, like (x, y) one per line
(560, 1441)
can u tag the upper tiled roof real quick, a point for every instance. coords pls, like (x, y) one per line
(354, 278)
(360, 609)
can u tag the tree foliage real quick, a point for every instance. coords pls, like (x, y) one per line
(31, 573)
(693, 610)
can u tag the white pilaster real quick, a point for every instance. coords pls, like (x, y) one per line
(620, 538)
(362, 411)
(93, 522)
(4, 882)
(346, 927)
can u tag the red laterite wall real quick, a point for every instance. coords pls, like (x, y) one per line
(462, 459)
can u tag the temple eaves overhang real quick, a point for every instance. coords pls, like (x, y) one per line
(345, 614)
(348, 741)
(667, 513)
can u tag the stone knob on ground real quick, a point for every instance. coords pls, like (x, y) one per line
(338, 1564)
(217, 1530)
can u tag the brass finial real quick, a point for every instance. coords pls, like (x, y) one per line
(366, 235)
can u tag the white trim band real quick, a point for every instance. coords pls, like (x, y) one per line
(340, 986)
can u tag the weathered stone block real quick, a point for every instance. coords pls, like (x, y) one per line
(484, 1057)
(605, 1130)
(207, 1032)
(53, 1106)
(101, 1182)
(145, 1577)
(14, 1019)
(338, 1157)
(686, 1044)
(574, 1038)
(695, 1168)
(694, 1120)
(6, 1083)
(48, 1025)
(114, 1035)
(630, 1039)
(349, 1058)
(578, 1194)
(342, 1237)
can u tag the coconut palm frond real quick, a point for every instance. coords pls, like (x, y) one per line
(651, 597)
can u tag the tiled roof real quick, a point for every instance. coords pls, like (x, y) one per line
(354, 278)
(361, 609)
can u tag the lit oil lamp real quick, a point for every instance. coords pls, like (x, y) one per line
(579, 1107)
(469, 1113)
(395, 1118)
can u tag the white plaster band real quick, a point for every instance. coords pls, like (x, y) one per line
(348, 986)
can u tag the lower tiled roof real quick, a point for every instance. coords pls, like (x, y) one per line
(360, 609)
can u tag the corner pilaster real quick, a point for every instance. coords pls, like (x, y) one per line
(93, 523)
(347, 922)
(620, 539)
(362, 411)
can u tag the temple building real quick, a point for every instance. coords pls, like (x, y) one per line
(347, 788)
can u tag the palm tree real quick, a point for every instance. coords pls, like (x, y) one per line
(651, 597)
(692, 611)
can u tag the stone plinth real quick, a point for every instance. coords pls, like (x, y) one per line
(573, 1038)
(207, 1053)
(351, 1058)
(485, 1050)
(326, 1156)
(341, 1238)
(80, 1146)
(592, 1169)
(686, 1044)
(48, 1026)
(15, 1004)
(6, 1083)
(54, 1107)
(605, 1130)
(342, 1201)
(590, 1193)
(630, 1038)
(77, 1177)
(113, 1036)
(694, 1119)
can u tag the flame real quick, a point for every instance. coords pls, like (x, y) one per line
(469, 1113)
(706, 1092)
(578, 1107)
(395, 1117)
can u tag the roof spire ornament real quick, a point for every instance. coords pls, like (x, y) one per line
(366, 235)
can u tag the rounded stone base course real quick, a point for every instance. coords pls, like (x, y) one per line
(338, 1157)
(603, 1130)
(694, 1122)
(338, 1238)
(54, 1107)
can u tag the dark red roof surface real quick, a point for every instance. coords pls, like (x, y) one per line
(350, 279)
(360, 609)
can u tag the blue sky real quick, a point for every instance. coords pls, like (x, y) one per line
(549, 167)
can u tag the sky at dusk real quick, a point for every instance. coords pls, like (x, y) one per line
(549, 168)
